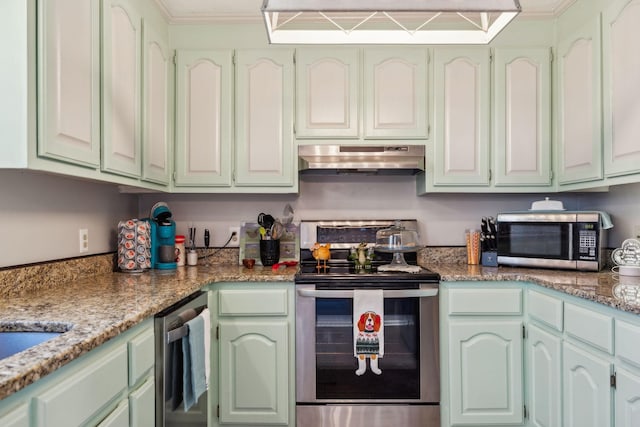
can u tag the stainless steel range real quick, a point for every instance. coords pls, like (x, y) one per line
(400, 387)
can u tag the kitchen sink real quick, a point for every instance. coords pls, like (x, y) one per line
(17, 338)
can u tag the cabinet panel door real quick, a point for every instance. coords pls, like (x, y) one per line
(142, 402)
(204, 93)
(157, 101)
(486, 372)
(253, 373)
(264, 118)
(621, 86)
(121, 44)
(522, 117)
(579, 149)
(627, 399)
(586, 393)
(395, 94)
(119, 417)
(327, 93)
(544, 384)
(69, 81)
(462, 103)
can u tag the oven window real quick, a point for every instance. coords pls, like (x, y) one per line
(336, 364)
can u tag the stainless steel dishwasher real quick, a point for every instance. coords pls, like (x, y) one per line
(170, 328)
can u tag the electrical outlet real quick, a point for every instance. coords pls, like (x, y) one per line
(235, 240)
(83, 240)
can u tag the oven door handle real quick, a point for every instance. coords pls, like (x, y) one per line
(400, 293)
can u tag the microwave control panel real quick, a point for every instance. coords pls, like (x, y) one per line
(587, 241)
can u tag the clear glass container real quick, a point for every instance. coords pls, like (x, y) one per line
(398, 240)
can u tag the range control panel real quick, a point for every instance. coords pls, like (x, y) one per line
(587, 235)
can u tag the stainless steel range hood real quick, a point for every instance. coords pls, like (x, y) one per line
(361, 159)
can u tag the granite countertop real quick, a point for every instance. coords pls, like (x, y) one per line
(97, 308)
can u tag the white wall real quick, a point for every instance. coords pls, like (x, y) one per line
(40, 216)
(442, 217)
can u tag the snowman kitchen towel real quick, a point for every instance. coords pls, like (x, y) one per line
(368, 328)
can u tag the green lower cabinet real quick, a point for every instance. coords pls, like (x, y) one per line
(544, 386)
(586, 391)
(627, 409)
(142, 402)
(253, 390)
(252, 355)
(486, 371)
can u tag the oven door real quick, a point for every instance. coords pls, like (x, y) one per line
(325, 362)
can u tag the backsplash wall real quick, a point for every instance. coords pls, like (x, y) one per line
(40, 214)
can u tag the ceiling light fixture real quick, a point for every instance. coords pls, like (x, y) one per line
(386, 21)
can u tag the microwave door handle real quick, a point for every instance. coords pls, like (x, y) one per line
(570, 258)
(401, 293)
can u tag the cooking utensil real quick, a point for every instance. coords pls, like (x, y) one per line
(207, 237)
(266, 220)
(278, 265)
(277, 230)
(192, 238)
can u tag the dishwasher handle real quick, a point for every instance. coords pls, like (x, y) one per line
(397, 293)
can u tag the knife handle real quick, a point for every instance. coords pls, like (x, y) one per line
(207, 236)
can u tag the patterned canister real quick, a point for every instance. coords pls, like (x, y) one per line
(134, 245)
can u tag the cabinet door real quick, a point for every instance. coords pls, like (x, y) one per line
(462, 100)
(544, 384)
(142, 402)
(253, 373)
(264, 118)
(121, 41)
(586, 393)
(621, 86)
(522, 117)
(579, 149)
(395, 93)
(327, 94)
(119, 417)
(156, 131)
(204, 93)
(486, 372)
(627, 399)
(69, 81)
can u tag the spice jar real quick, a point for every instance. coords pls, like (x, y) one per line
(180, 252)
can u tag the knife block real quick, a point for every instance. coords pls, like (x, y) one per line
(489, 259)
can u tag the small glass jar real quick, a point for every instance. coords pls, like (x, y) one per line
(180, 252)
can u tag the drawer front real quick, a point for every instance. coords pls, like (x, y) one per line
(141, 355)
(627, 339)
(546, 309)
(485, 301)
(78, 397)
(142, 402)
(19, 417)
(590, 327)
(252, 302)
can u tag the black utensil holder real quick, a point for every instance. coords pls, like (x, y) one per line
(269, 251)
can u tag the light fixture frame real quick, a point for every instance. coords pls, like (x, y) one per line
(508, 10)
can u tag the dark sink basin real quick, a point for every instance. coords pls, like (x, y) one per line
(16, 341)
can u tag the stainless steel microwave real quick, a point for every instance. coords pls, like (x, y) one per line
(564, 239)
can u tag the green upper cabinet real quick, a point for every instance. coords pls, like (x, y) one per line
(69, 81)
(204, 119)
(327, 93)
(621, 87)
(264, 87)
(579, 135)
(157, 106)
(462, 82)
(121, 80)
(395, 93)
(522, 117)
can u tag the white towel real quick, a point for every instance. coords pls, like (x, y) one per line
(368, 328)
(206, 317)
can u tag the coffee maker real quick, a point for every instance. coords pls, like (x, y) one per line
(163, 237)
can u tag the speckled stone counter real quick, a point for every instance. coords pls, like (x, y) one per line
(96, 308)
(620, 292)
